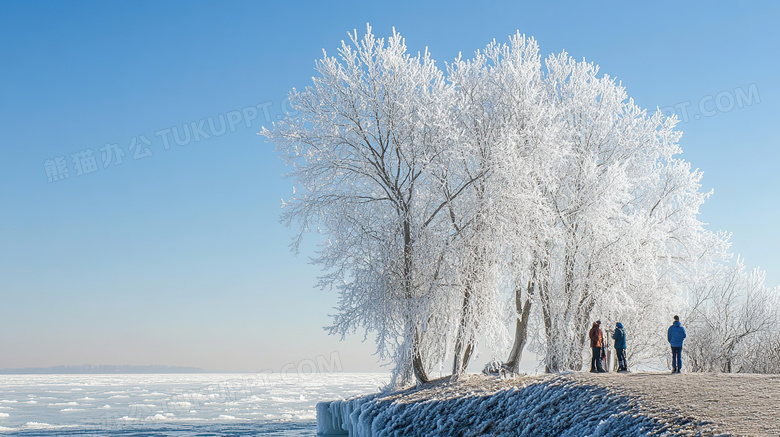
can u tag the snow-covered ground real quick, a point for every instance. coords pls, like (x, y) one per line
(576, 404)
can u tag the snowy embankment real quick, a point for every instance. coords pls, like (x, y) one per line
(560, 405)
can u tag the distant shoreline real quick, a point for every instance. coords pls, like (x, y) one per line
(138, 370)
(88, 369)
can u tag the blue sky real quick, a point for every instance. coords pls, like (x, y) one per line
(175, 255)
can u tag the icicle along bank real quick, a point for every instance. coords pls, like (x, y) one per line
(549, 405)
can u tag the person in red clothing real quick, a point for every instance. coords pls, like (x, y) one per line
(596, 342)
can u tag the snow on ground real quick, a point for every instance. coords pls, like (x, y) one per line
(577, 404)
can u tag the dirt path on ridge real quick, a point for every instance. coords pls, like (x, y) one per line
(740, 404)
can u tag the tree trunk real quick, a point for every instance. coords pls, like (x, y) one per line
(551, 361)
(417, 361)
(461, 359)
(417, 358)
(555, 359)
(521, 327)
(467, 355)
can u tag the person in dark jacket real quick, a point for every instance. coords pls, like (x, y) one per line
(596, 342)
(676, 335)
(620, 347)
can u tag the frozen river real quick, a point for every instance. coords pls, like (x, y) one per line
(172, 405)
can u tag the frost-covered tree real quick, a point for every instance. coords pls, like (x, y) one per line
(621, 207)
(585, 202)
(762, 355)
(367, 144)
(497, 104)
(441, 199)
(733, 320)
(503, 110)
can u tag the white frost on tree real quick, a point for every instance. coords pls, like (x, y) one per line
(366, 147)
(441, 197)
(733, 321)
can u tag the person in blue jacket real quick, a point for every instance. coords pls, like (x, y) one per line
(620, 347)
(676, 335)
